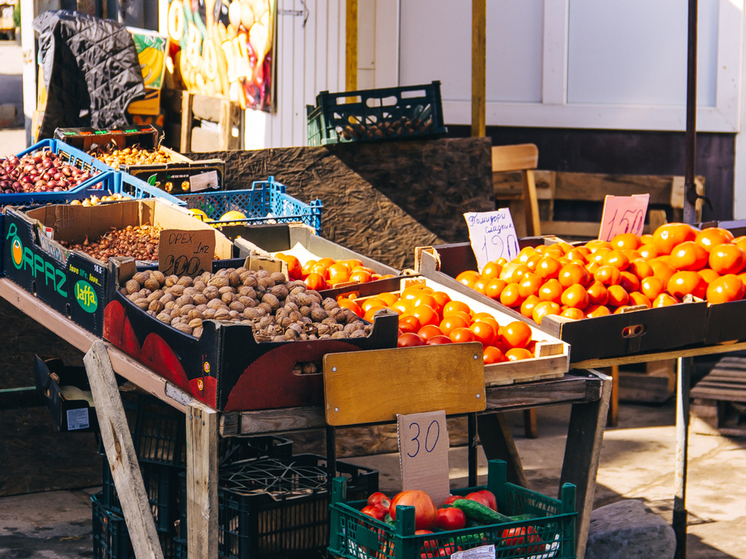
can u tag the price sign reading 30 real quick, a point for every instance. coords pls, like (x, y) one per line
(423, 452)
(492, 235)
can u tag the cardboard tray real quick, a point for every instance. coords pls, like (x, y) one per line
(302, 242)
(68, 415)
(69, 281)
(605, 337)
(226, 367)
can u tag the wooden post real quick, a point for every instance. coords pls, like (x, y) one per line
(120, 452)
(478, 67)
(497, 443)
(202, 482)
(351, 46)
(613, 419)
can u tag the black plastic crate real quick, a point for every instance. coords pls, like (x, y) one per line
(111, 540)
(158, 430)
(278, 508)
(373, 115)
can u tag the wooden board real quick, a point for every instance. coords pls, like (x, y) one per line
(202, 482)
(373, 386)
(550, 362)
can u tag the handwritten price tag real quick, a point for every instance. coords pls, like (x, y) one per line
(492, 236)
(423, 453)
(623, 214)
(186, 252)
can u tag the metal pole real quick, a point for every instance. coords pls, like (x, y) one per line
(682, 441)
(690, 189)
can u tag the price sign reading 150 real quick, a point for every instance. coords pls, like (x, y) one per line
(623, 214)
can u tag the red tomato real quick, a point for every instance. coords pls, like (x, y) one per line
(451, 499)
(479, 498)
(491, 499)
(425, 511)
(437, 340)
(376, 511)
(516, 536)
(427, 544)
(409, 339)
(450, 519)
(379, 498)
(448, 549)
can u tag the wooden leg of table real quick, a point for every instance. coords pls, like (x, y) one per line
(202, 482)
(530, 429)
(613, 418)
(582, 452)
(497, 443)
(120, 452)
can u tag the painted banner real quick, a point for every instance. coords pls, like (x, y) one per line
(224, 48)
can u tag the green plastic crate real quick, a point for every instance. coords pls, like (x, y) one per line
(545, 529)
(374, 115)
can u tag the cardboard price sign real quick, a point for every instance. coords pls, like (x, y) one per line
(423, 453)
(623, 214)
(492, 236)
(186, 252)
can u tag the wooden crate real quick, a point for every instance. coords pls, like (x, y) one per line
(590, 189)
(197, 123)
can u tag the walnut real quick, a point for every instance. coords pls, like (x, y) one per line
(298, 289)
(247, 301)
(247, 291)
(249, 280)
(208, 313)
(218, 281)
(195, 323)
(177, 290)
(227, 298)
(305, 311)
(183, 327)
(155, 306)
(186, 281)
(155, 295)
(234, 279)
(199, 299)
(164, 317)
(199, 285)
(279, 291)
(197, 332)
(132, 286)
(141, 277)
(237, 306)
(143, 303)
(185, 300)
(158, 276)
(266, 282)
(152, 284)
(211, 292)
(278, 277)
(271, 300)
(190, 291)
(171, 281)
(221, 314)
(169, 305)
(195, 313)
(215, 304)
(318, 314)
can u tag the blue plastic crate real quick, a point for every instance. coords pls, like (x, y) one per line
(139, 189)
(266, 202)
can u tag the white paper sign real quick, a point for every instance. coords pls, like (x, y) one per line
(492, 236)
(481, 552)
(77, 419)
(623, 214)
(423, 453)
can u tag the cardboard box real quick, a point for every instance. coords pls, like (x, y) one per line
(226, 367)
(72, 282)
(644, 331)
(71, 409)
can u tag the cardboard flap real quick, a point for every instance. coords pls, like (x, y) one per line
(426, 259)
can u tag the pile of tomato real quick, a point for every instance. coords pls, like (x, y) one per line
(429, 317)
(325, 273)
(601, 278)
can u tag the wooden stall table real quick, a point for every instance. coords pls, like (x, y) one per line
(587, 392)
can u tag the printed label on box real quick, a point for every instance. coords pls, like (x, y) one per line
(204, 181)
(77, 419)
(492, 236)
(482, 552)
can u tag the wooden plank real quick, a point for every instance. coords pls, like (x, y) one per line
(120, 452)
(613, 418)
(209, 108)
(551, 362)
(594, 187)
(515, 157)
(498, 444)
(377, 385)
(531, 205)
(267, 421)
(568, 389)
(582, 455)
(530, 428)
(478, 67)
(202, 482)
(571, 228)
(720, 394)
(351, 46)
(185, 142)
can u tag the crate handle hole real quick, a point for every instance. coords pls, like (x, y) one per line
(412, 94)
(382, 102)
(33, 288)
(67, 311)
(634, 331)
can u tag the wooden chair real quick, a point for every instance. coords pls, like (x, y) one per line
(524, 158)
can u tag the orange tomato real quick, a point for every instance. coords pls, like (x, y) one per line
(442, 299)
(576, 254)
(483, 332)
(598, 243)
(640, 268)
(646, 239)
(487, 317)
(726, 259)
(480, 285)
(629, 282)
(372, 302)
(599, 255)
(616, 259)
(455, 306)
(468, 277)
(573, 274)
(320, 269)
(370, 313)
(401, 306)
(647, 252)
(532, 262)
(543, 309)
(513, 272)
(465, 316)
(661, 269)
(425, 299)
(326, 261)
(713, 236)
(354, 307)
(551, 291)
(516, 334)
(428, 331)
(525, 254)
(636, 299)
(527, 307)
(686, 283)
(518, 354)
(575, 296)
(573, 313)
(315, 281)
(426, 315)
(651, 287)
(493, 355)
(461, 335)
(491, 270)
(667, 236)
(388, 297)
(595, 311)
(353, 263)
(511, 296)
(688, 256)
(361, 276)
(529, 285)
(494, 287)
(664, 300)
(618, 296)
(725, 289)
(626, 241)
(598, 294)
(409, 323)
(608, 275)
(740, 241)
(592, 267)
(308, 267)
(451, 322)
(548, 268)
(295, 270)
(709, 275)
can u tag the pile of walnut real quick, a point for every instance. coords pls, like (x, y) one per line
(277, 310)
(139, 242)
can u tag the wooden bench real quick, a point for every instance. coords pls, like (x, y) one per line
(724, 385)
